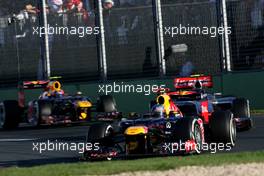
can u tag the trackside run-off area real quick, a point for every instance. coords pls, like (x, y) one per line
(233, 164)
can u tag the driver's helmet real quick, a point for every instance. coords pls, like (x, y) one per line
(158, 110)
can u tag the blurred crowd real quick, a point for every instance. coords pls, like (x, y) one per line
(23, 9)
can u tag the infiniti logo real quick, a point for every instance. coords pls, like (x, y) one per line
(168, 125)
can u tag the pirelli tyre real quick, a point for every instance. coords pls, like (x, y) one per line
(241, 108)
(187, 129)
(106, 103)
(102, 134)
(9, 114)
(99, 132)
(223, 127)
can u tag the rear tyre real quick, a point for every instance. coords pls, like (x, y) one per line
(10, 113)
(241, 108)
(106, 103)
(223, 127)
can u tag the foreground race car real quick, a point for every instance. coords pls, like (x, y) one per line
(186, 96)
(52, 107)
(179, 122)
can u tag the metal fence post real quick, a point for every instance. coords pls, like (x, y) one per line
(226, 38)
(158, 28)
(101, 43)
(46, 40)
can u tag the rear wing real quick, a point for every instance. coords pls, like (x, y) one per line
(29, 85)
(35, 84)
(40, 84)
(189, 82)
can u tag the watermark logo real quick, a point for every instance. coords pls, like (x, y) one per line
(80, 31)
(56, 146)
(176, 147)
(145, 89)
(213, 32)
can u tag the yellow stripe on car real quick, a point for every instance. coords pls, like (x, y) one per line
(136, 130)
(84, 104)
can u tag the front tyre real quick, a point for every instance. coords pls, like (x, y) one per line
(33, 113)
(99, 132)
(102, 134)
(189, 131)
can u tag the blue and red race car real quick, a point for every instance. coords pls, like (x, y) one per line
(191, 97)
(53, 106)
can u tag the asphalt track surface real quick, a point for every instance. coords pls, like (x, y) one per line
(16, 147)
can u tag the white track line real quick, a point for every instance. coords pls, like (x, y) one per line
(16, 140)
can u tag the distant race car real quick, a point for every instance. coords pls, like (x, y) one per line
(53, 106)
(185, 117)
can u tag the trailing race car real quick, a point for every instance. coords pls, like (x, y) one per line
(179, 122)
(52, 107)
(186, 96)
(238, 106)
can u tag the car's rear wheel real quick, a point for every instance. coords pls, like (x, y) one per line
(223, 127)
(9, 114)
(241, 108)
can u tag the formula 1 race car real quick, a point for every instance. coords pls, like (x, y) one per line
(179, 122)
(190, 89)
(52, 107)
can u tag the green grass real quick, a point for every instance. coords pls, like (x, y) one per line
(257, 111)
(114, 167)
